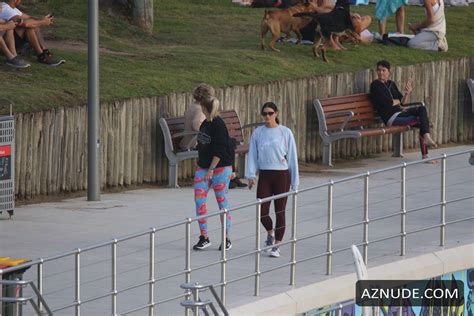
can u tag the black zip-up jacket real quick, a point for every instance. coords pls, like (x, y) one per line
(213, 140)
(382, 96)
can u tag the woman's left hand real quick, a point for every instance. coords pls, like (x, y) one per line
(209, 174)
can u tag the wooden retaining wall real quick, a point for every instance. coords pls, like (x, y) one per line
(51, 147)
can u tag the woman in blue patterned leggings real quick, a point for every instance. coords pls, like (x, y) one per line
(214, 168)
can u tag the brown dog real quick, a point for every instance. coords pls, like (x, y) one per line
(283, 21)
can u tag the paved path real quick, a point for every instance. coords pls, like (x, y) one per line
(47, 229)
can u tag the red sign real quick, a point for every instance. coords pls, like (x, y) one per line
(5, 151)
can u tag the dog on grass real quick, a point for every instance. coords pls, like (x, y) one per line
(283, 21)
(330, 26)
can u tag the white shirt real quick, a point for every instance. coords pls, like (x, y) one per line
(7, 12)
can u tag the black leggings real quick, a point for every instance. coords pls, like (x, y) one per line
(417, 117)
(273, 182)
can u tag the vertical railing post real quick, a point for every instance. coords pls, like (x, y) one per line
(366, 216)
(257, 248)
(187, 263)
(196, 299)
(329, 229)
(442, 232)
(114, 277)
(293, 238)
(223, 255)
(151, 294)
(40, 283)
(78, 281)
(403, 210)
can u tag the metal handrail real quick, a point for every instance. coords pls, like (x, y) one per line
(22, 300)
(328, 231)
(197, 303)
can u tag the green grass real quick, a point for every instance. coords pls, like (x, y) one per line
(194, 41)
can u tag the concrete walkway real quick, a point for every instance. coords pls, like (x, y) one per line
(47, 229)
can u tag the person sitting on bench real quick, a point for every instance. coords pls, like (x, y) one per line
(388, 102)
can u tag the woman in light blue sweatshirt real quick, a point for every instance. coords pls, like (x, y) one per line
(272, 155)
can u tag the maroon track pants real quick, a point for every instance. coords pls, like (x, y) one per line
(273, 182)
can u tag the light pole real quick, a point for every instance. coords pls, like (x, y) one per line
(93, 105)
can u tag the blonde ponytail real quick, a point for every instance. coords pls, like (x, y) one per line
(212, 107)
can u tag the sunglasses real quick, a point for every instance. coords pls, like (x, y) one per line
(267, 113)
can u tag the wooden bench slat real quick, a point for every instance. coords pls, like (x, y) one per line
(344, 99)
(355, 118)
(228, 113)
(174, 120)
(175, 129)
(397, 129)
(348, 106)
(349, 125)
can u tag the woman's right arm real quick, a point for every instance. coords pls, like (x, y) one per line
(251, 168)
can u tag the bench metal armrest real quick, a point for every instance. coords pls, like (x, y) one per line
(412, 105)
(252, 125)
(184, 134)
(349, 115)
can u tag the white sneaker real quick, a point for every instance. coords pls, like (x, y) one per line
(275, 252)
(269, 242)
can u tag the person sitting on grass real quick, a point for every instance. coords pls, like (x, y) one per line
(7, 45)
(28, 30)
(430, 34)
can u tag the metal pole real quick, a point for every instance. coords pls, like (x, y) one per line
(223, 254)
(366, 216)
(443, 202)
(151, 298)
(329, 229)
(93, 111)
(40, 284)
(187, 277)
(403, 210)
(293, 239)
(78, 282)
(257, 248)
(196, 299)
(114, 277)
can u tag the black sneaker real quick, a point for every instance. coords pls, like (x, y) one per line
(47, 59)
(239, 183)
(17, 62)
(203, 243)
(228, 245)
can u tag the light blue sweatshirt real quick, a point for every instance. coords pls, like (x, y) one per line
(273, 149)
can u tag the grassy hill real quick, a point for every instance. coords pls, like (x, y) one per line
(194, 40)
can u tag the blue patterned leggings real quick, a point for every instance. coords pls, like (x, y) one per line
(220, 184)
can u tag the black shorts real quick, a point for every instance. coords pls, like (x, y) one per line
(20, 41)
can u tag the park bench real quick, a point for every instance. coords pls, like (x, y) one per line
(353, 116)
(173, 131)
